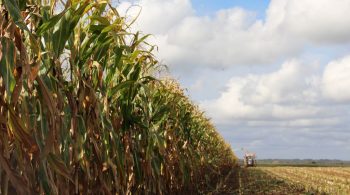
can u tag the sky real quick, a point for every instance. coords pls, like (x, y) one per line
(273, 76)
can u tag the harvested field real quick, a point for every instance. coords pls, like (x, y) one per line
(330, 180)
(256, 181)
(285, 180)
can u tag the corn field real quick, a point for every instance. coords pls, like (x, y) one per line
(83, 112)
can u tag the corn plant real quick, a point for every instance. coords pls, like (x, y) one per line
(81, 111)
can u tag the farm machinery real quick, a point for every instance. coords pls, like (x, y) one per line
(249, 159)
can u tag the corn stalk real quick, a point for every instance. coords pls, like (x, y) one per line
(82, 112)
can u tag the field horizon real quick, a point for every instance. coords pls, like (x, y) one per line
(301, 162)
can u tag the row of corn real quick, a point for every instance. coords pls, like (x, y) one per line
(82, 112)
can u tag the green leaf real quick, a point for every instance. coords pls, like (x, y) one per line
(118, 53)
(117, 56)
(100, 19)
(7, 65)
(50, 23)
(13, 9)
(141, 40)
(138, 171)
(120, 86)
(66, 28)
(96, 29)
(135, 74)
(101, 49)
(15, 14)
(22, 4)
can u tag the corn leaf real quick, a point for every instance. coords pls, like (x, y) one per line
(7, 64)
(50, 23)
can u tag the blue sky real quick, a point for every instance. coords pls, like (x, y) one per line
(273, 76)
(205, 7)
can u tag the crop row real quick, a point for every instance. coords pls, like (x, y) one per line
(82, 110)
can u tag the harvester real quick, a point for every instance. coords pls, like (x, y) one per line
(249, 159)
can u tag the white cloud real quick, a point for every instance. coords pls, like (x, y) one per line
(325, 21)
(336, 80)
(288, 93)
(229, 38)
(234, 36)
(157, 16)
(297, 123)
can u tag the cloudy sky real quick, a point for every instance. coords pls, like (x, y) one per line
(274, 76)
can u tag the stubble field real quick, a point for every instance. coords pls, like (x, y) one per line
(294, 180)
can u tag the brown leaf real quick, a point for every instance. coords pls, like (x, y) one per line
(0, 52)
(58, 165)
(47, 96)
(21, 133)
(97, 150)
(49, 142)
(18, 86)
(22, 50)
(106, 189)
(18, 39)
(33, 74)
(15, 179)
(3, 120)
